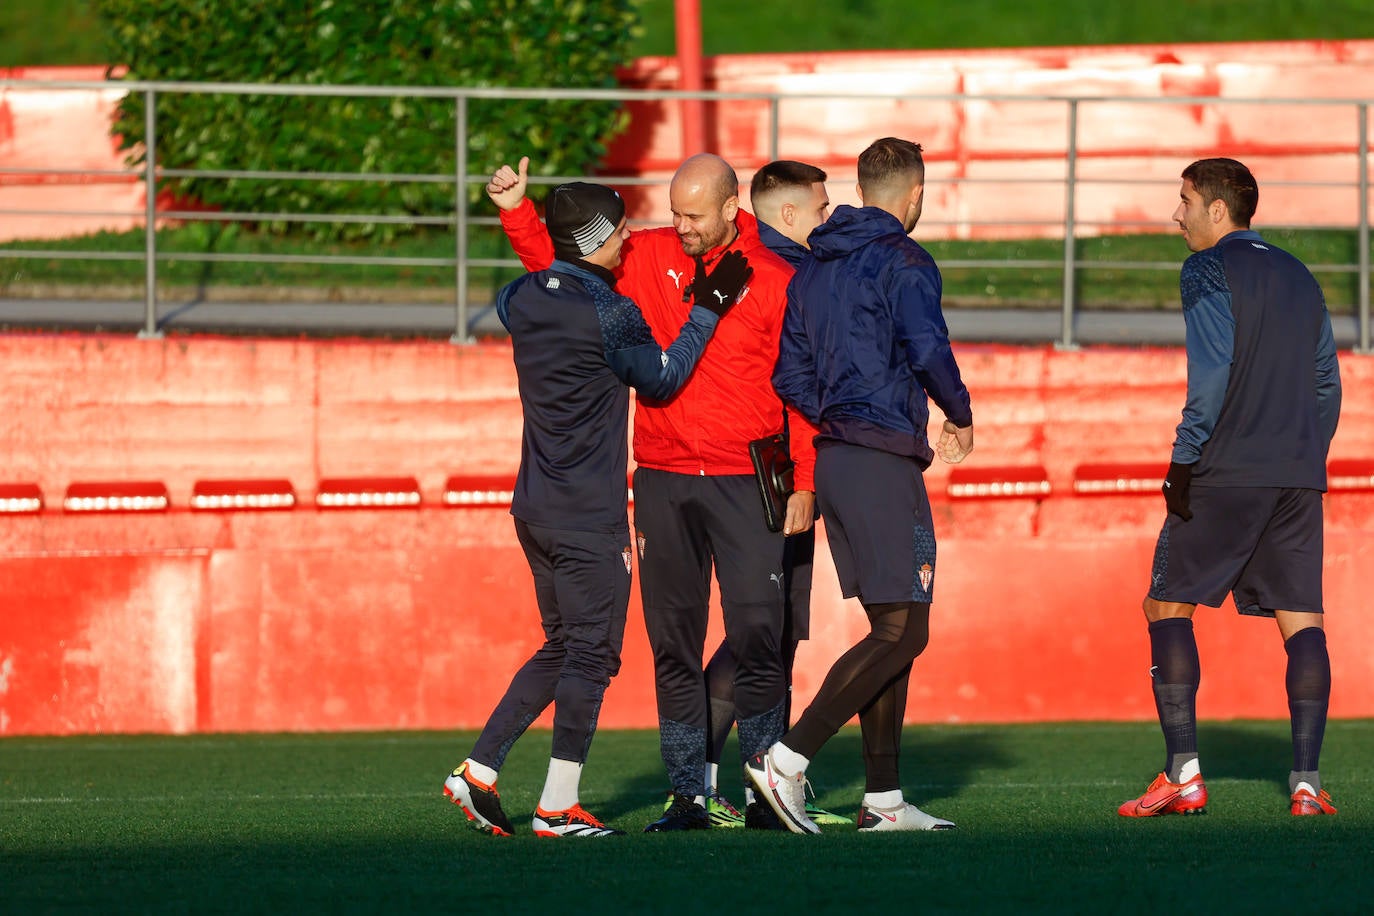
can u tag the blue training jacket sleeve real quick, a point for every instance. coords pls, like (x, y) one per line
(503, 305)
(794, 374)
(1328, 381)
(1210, 340)
(925, 338)
(637, 359)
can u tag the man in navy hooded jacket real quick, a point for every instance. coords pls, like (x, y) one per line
(864, 344)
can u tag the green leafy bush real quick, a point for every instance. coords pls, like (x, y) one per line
(401, 43)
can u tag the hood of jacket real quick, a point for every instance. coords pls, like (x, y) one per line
(850, 228)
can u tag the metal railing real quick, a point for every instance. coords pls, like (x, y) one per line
(461, 220)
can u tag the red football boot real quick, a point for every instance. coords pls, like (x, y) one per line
(1164, 797)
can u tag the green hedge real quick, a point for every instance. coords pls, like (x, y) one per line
(471, 43)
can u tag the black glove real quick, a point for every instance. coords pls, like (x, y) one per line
(719, 289)
(1176, 484)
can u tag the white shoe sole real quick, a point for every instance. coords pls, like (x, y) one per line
(771, 786)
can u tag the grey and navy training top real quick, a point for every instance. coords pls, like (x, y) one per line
(577, 344)
(1264, 388)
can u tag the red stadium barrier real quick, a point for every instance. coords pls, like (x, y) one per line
(117, 496)
(239, 495)
(1115, 479)
(998, 482)
(20, 498)
(487, 490)
(1350, 475)
(370, 617)
(368, 493)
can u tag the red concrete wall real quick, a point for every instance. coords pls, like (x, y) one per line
(308, 619)
(67, 130)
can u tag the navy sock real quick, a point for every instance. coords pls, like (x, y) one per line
(1308, 681)
(1176, 673)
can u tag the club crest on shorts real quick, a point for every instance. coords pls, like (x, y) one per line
(927, 575)
(627, 556)
(639, 541)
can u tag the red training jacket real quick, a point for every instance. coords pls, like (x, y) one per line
(729, 399)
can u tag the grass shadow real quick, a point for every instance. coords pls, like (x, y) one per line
(1246, 750)
(936, 764)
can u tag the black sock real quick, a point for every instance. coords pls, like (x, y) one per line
(1176, 673)
(898, 633)
(720, 693)
(1308, 681)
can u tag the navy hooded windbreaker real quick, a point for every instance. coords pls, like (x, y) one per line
(864, 340)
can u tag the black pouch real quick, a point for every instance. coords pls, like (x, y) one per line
(773, 473)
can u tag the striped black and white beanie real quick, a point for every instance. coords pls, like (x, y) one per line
(581, 216)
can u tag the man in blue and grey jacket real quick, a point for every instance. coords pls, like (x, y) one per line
(577, 344)
(1245, 480)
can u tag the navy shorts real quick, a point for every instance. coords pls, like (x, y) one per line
(878, 524)
(1262, 544)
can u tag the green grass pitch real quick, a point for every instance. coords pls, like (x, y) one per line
(356, 822)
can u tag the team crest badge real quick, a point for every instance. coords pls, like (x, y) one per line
(639, 540)
(626, 555)
(927, 574)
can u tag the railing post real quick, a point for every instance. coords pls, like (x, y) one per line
(150, 330)
(774, 128)
(1066, 341)
(1363, 346)
(460, 216)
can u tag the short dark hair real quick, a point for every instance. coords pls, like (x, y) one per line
(784, 173)
(888, 161)
(1228, 181)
